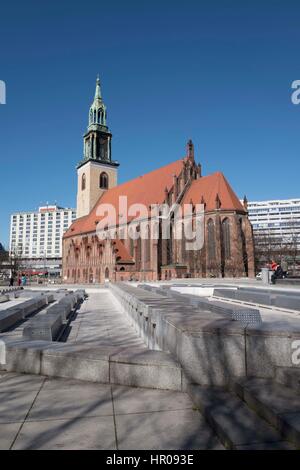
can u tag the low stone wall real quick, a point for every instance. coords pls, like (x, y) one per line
(7, 290)
(45, 327)
(16, 313)
(4, 298)
(108, 365)
(210, 346)
(48, 325)
(284, 300)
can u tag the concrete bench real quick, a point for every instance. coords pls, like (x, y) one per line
(80, 295)
(45, 327)
(4, 298)
(218, 307)
(7, 290)
(226, 293)
(288, 282)
(32, 305)
(69, 299)
(16, 313)
(9, 317)
(268, 297)
(82, 292)
(62, 308)
(286, 301)
(49, 297)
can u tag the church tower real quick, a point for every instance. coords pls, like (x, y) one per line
(96, 172)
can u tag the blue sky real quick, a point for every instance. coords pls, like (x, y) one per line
(219, 72)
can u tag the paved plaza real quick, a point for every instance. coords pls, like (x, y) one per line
(146, 367)
(41, 413)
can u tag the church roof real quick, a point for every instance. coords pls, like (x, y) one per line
(146, 189)
(150, 189)
(208, 188)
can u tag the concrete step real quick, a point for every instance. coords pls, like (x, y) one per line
(288, 376)
(237, 426)
(275, 403)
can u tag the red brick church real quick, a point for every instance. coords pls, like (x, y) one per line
(227, 249)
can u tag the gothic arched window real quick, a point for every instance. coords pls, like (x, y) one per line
(83, 182)
(103, 182)
(147, 241)
(211, 240)
(94, 116)
(131, 246)
(99, 117)
(226, 238)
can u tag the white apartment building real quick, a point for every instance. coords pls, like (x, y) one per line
(38, 235)
(276, 228)
(279, 218)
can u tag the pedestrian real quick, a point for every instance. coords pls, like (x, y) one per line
(11, 281)
(274, 265)
(277, 272)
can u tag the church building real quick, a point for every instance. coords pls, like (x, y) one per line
(92, 256)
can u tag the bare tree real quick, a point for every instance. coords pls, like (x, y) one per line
(282, 249)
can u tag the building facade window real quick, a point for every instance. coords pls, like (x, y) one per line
(211, 240)
(226, 238)
(103, 181)
(83, 182)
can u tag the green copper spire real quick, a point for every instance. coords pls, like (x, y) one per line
(97, 115)
(98, 89)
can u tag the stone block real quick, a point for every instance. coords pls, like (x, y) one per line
(288, 376)
(287, 301)
(255, 297)
(45, 327)
(235, 424)
(69, 299)
(228, 293)
(63, 309)
(24, 357)
(75, 366)
(210, 359)
(267, 350)
(149, 369)
(49, 298)
(4, 298)
(9, 317)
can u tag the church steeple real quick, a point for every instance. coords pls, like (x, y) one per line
(97, 115)
(98, 89)
(96, 172)
(97, 140)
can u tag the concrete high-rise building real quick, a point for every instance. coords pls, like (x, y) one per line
(36, 237)
(96, 172)
(276, 228)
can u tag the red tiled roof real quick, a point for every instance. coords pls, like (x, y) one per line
(150, 189)
(147, 189)
(207, 188)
